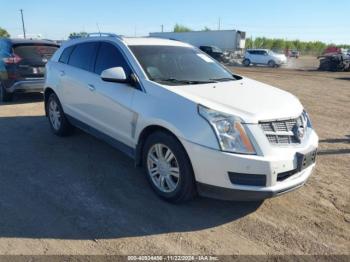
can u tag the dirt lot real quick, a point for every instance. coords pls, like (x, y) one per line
(78, 195)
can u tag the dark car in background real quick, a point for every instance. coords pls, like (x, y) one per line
(294, 53)
(214, 51)
(22, 65)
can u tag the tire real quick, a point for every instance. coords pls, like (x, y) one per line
(4, 95)
(176, 188)
(57, 119)
(271, 63)
(246, 62)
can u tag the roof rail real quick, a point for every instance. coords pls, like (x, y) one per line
(100, 34)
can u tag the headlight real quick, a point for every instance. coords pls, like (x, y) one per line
(229, 131)
(306, 116)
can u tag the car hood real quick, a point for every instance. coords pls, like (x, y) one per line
(248, 99)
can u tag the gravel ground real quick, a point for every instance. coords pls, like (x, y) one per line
(78, 195)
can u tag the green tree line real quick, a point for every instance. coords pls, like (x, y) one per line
(75, 35)
(181, 28)
(305, 47)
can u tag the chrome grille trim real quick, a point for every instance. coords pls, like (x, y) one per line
(280, 132)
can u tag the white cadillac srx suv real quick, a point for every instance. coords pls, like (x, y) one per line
(193, 125)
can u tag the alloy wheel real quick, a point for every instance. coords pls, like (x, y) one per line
(54, 115)
(163, 168)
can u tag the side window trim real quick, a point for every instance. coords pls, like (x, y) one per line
(116, 45)
(96, 56)
(92, 65)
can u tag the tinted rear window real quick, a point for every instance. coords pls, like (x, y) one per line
(83, 56)
(35, 52)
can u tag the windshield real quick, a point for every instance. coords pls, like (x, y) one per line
(177, 65)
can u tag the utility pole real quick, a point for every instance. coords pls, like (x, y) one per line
(162, 28)
(24, 29)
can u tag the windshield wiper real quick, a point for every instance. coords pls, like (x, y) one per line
(183, 81)
(223, 79)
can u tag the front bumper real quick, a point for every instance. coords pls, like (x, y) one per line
(212, 170)
(27, 86)
(256, 194)
(281, 62)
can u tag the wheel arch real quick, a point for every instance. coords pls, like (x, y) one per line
(246, 61)
(47, 92)
(145, 133)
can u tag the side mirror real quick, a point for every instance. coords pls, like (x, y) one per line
(114, 74)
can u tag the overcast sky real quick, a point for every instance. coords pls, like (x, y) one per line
(323, 20)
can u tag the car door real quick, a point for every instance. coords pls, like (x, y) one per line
(111, 104)
(76, 77)
(258, 57)
(265, 58)
(253, 57)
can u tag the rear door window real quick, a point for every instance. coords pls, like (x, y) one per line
(109, 56)
(83, 56)
(66, 54)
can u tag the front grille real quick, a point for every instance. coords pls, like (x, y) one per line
(283, 131)
(280, 139)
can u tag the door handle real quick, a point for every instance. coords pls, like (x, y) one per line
(91, 87)
(62, 73)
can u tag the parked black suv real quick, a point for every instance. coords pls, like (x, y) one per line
(22, 65)
(214, 51)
